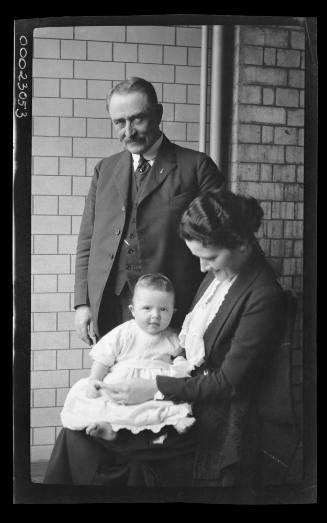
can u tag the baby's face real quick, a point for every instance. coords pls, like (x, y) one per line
(152, 309)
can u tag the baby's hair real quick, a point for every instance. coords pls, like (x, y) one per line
(155, 281)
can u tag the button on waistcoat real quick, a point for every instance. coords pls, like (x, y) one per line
(129, 266)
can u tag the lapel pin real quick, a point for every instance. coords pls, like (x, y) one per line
(161, 171)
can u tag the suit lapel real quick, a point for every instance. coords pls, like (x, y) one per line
(244, 279)
(122, 175)
(163, 165)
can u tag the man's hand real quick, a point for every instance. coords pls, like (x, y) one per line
(93, 388)
(84, 325)
(132, 391)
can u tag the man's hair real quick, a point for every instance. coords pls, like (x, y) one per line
(134, 84)
(155, 281)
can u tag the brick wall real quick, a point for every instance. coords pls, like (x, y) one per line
(268, 137)
(73, 70)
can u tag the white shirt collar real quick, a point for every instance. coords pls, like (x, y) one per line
(150, 154)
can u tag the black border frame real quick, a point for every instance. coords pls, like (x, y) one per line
(27, 492)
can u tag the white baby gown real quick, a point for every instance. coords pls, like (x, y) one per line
(131, 353)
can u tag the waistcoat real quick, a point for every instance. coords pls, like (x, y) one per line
(129, 265)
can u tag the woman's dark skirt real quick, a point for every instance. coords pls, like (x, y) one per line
(130, 460)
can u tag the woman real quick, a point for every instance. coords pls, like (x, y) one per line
(233, 328)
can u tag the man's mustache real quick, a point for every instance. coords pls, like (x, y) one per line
(134, 141)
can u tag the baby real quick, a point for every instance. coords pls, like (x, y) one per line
(139, 348)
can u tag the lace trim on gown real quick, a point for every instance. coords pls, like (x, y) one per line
(198, 320)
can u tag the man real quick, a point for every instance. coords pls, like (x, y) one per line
(132, 212)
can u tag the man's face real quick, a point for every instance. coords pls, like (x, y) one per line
(135, 121)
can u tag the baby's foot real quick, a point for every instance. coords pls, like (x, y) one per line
(102, 430)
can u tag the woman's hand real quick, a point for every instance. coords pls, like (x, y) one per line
(132, 391)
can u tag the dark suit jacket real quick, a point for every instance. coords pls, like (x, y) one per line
(177, 176)
(239, 345)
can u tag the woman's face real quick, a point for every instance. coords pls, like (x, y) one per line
(219, 260)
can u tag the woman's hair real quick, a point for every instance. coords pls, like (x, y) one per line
(222, 219)
(155, 281)
(131, 85)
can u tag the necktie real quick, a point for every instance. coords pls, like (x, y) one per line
(141, 171)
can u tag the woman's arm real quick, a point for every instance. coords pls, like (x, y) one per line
(258, 332)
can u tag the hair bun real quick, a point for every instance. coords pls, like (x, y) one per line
(251, 212)
(221, 218)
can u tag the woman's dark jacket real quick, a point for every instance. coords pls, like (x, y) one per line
(228, 390)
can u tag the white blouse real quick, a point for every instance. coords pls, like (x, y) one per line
(198, 320)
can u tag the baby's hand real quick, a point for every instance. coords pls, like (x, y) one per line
(180, 367)
(93, 388)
